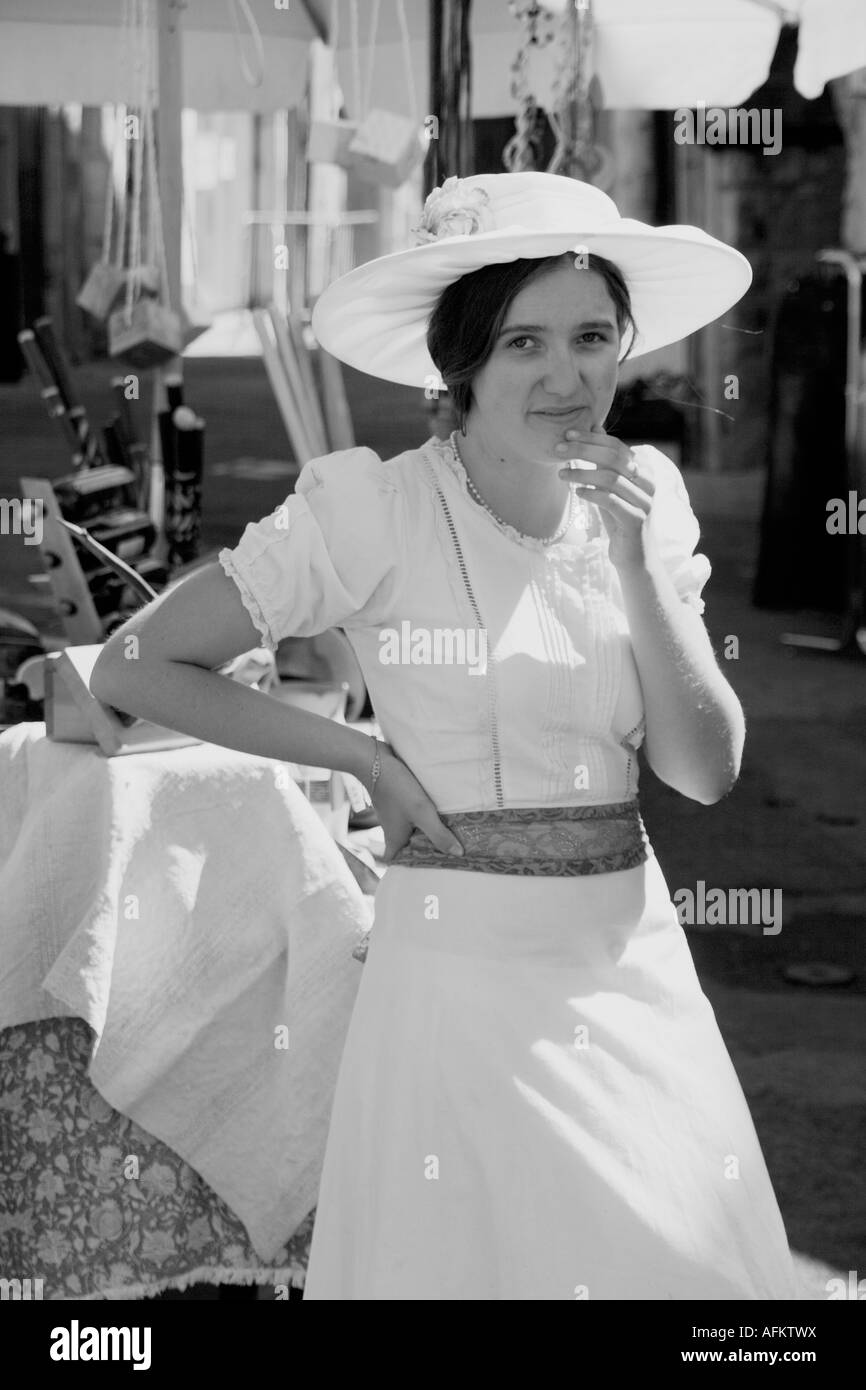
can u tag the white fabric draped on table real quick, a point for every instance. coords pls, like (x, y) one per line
(191, 906)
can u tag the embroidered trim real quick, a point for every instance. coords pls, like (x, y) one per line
(490, 681)
(248, 598)
(557, 841)
(631, 742)
(694, 601)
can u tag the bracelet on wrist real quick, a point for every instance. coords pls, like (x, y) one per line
(376, 769)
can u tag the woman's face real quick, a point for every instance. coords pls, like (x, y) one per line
(552, 368)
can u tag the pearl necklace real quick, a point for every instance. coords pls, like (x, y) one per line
(540, 540)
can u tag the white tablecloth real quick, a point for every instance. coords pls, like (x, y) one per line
(193, 909)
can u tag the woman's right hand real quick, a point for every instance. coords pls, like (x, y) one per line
(402, 804)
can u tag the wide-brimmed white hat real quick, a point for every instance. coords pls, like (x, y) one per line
(375, 317)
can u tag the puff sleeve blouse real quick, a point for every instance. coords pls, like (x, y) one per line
(500, 669)
(329, 556)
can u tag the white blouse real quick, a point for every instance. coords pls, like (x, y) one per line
(500, 669)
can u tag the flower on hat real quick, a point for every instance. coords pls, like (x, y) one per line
(454, 210)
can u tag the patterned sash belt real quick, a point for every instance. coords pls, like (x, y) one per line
(544, 840)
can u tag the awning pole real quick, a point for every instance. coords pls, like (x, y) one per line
(170, 149)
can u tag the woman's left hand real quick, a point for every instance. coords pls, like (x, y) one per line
(621, 492)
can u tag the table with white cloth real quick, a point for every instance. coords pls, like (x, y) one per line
(176, 980)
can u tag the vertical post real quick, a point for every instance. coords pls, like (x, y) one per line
(435, 22)
(53, 204)
(696, 206)
(32, 230)
(256, 232)
(75, 265)
(327, 183)
(711, 357)
(849, 103)
(170, 145)
(466, 51)
(96, 173)
(11, 360)
(9, 175)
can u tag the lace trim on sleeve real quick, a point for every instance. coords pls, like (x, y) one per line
(694, 601)
(690, 580)
(248, 598)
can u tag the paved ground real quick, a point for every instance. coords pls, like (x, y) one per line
(794, 823)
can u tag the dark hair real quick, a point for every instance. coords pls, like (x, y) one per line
(469, 313)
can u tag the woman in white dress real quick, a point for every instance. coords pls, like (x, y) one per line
(534, 1100)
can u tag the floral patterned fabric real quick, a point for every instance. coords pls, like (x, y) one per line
(93, 1205)
(564, 841)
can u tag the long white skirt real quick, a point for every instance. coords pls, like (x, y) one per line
(535, 1102)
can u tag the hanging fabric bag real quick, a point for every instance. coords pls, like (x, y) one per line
(388, 146)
